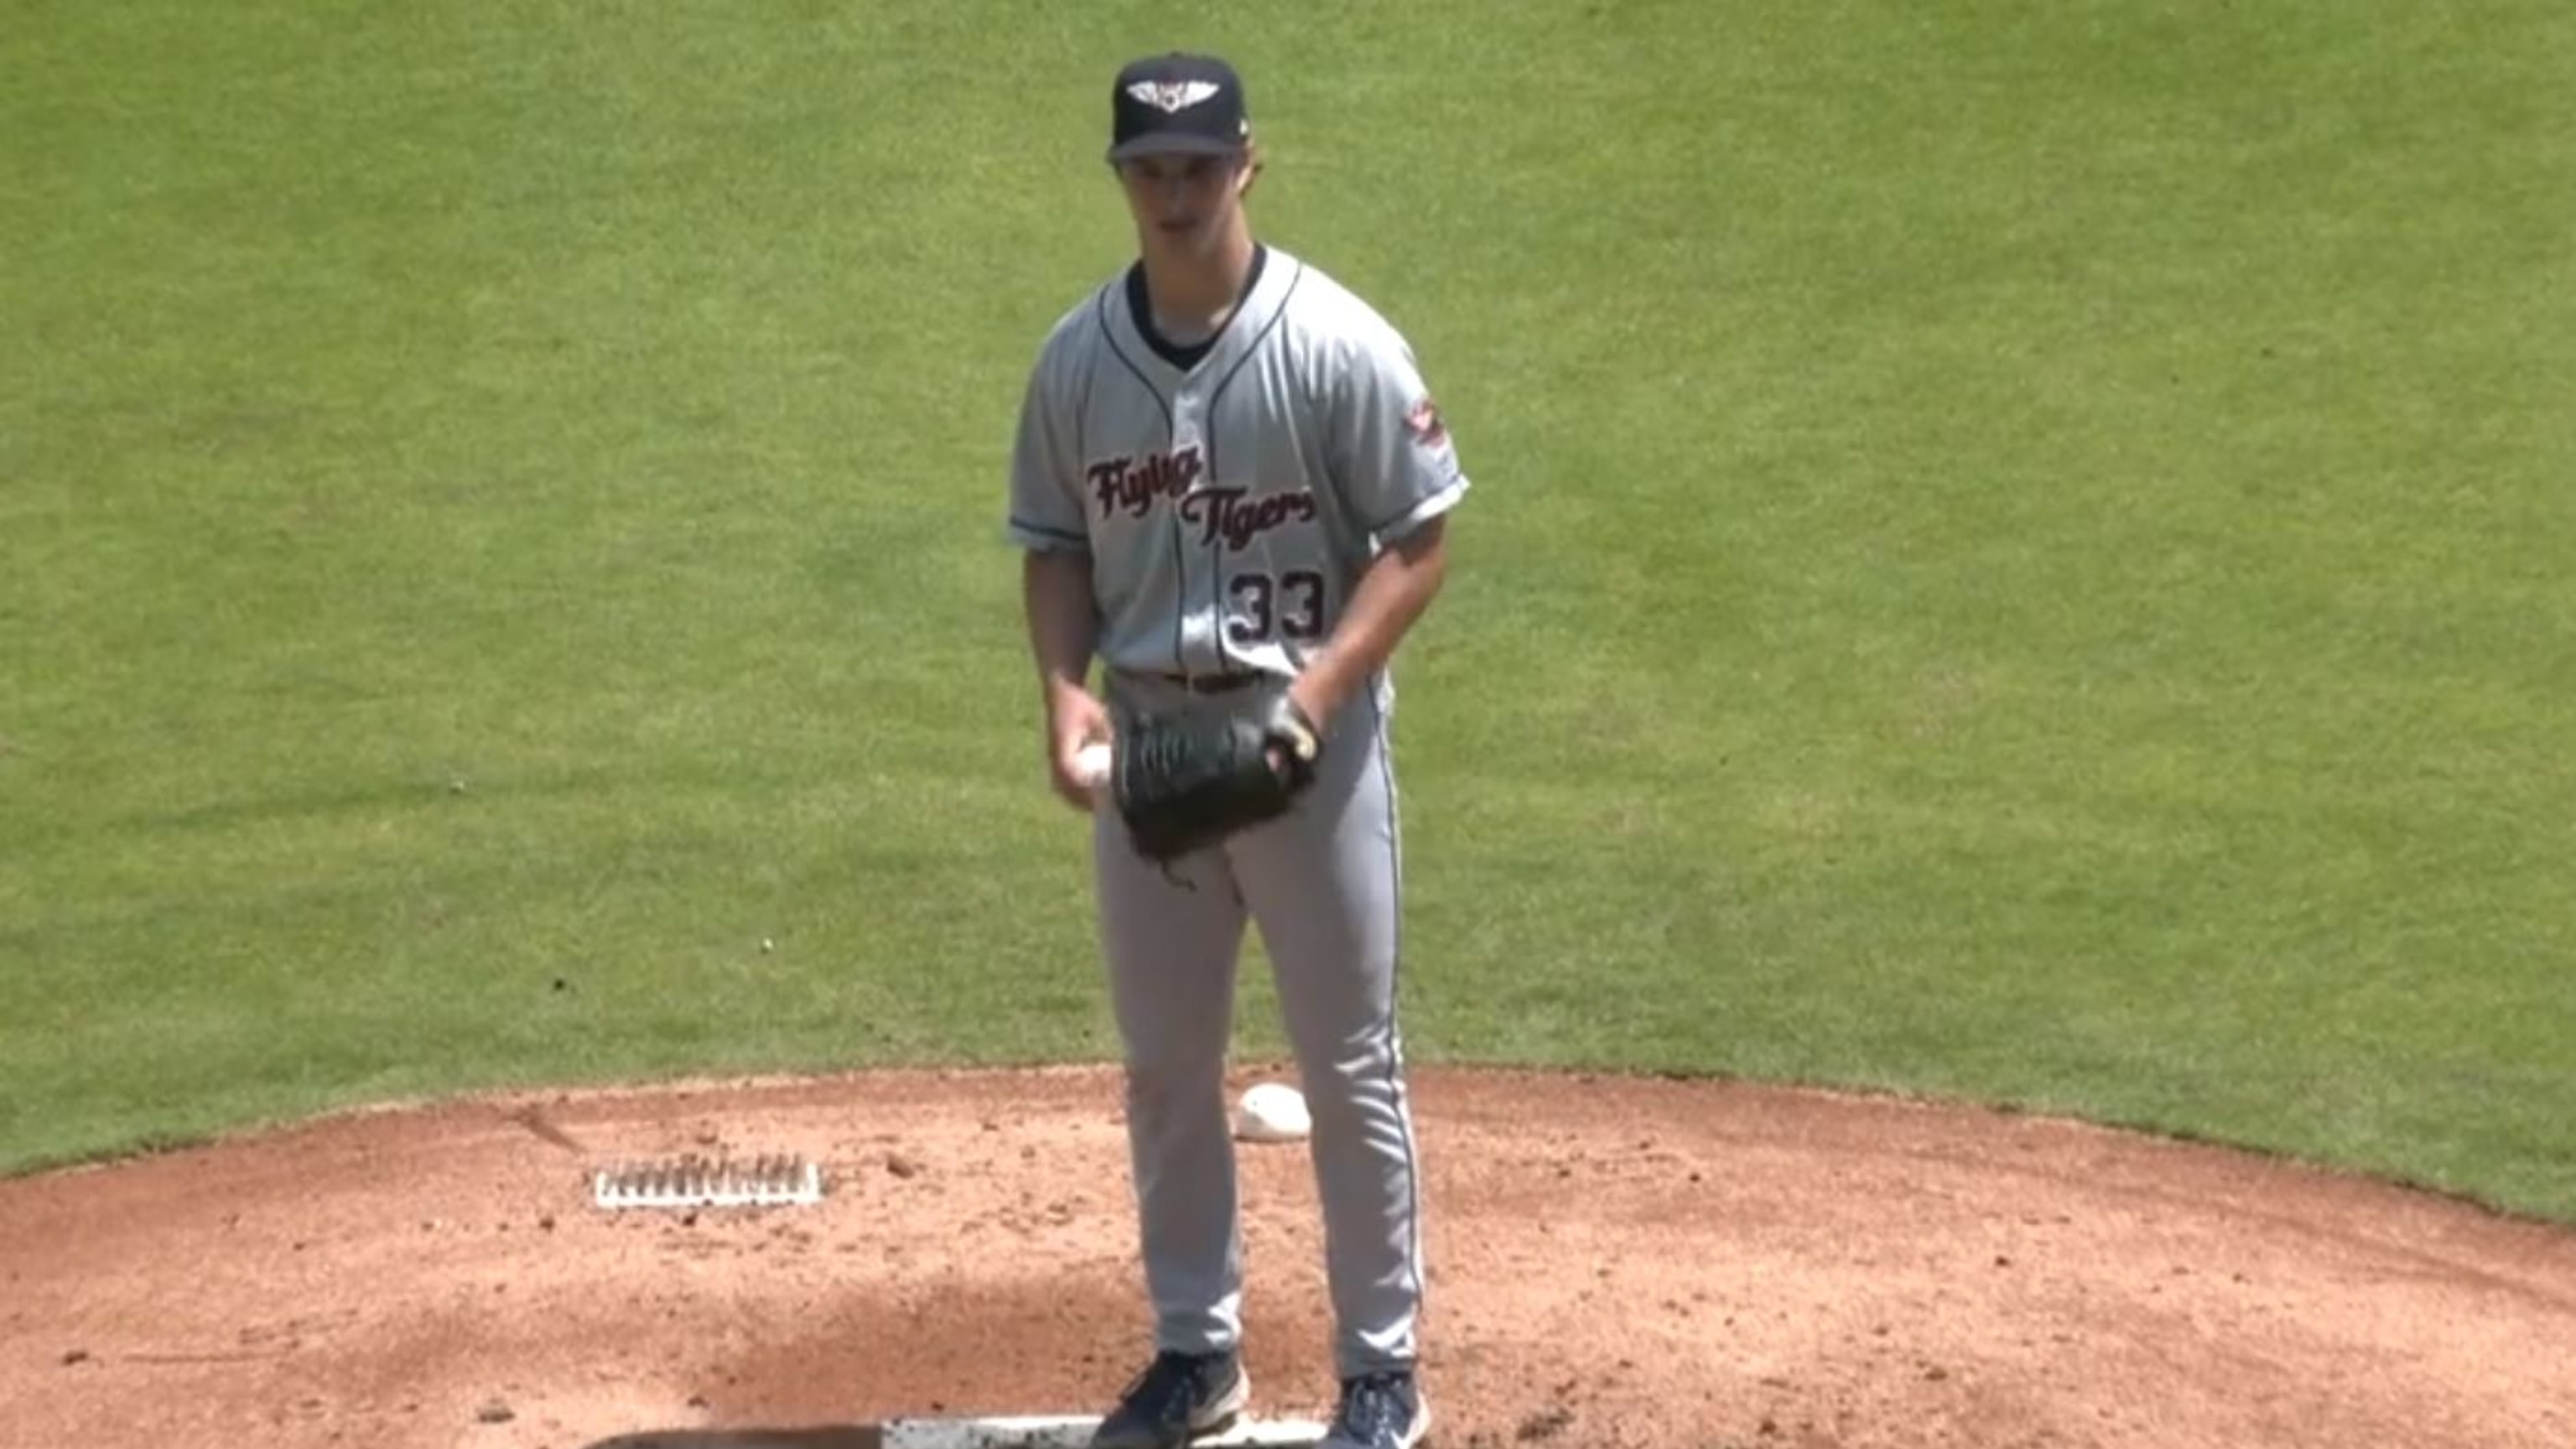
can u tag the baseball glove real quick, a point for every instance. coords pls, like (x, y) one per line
(1184, 782)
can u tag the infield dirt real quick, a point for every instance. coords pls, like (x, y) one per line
(1661, 1264)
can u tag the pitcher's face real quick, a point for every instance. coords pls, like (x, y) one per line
(1184, 204)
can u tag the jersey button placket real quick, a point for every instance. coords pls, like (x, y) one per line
(1200, 626)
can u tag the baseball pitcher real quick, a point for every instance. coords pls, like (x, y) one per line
(1231, 485)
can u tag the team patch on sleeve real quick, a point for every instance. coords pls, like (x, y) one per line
(1424, 423)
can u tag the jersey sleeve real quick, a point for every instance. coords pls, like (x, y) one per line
(1046, 475)
(1392, 453)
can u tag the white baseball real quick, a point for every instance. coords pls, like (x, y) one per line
(1091, 765)
(1272, 1112)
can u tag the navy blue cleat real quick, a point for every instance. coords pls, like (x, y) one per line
(1379, 1411)
(1179, 1397)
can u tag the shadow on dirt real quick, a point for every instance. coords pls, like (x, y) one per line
(853, 1436)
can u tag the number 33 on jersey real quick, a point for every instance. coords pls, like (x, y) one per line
(1230, 495)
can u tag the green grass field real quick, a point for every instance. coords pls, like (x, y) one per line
(2021, 552)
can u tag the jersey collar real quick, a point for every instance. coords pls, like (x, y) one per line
(1264, 288)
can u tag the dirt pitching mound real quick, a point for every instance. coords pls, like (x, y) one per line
(1613, 1262)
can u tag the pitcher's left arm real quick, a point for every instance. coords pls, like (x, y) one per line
(1394, 591)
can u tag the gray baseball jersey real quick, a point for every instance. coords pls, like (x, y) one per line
(1228, 506)
(1230, 498)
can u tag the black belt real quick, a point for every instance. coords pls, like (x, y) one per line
(1214, 683)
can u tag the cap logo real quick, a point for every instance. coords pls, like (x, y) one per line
(1172, 97)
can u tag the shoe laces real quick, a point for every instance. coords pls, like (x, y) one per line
(1174, 1379)
(1373, 1402)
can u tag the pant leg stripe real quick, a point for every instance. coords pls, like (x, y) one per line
(1395, 982)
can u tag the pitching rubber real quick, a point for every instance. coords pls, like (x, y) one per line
(1039, 1432)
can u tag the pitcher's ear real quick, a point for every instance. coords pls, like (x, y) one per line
(1251, 167)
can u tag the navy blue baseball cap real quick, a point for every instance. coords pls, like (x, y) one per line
(1192, 104)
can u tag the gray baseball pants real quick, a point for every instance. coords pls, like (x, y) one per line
(1322, 885)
